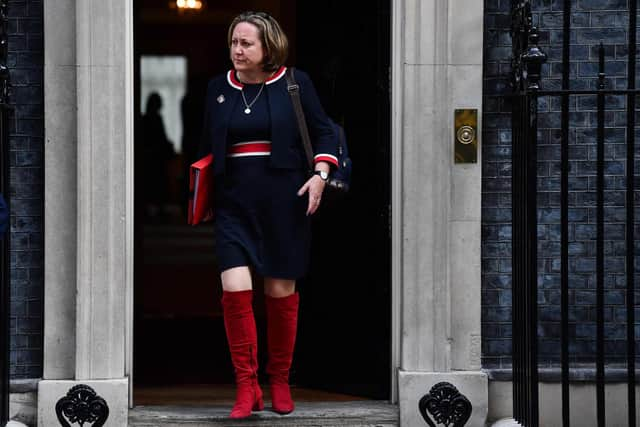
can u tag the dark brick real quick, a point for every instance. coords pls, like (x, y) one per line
(490, 297)
(25, 207)
(605, 19)
(28, 94)
(490, 266)
(499, 346)
(548, 216)
(497, 314)
(590, 5)
(498, 281)
(30, 59)
(12, 27)
(610, 35)
(35, 9)
(19, 241)
(29, 258)
(12, 59)
(504, 265)
(29, 325)
(548, 330)
(546, 281)
(34, 308)
(17, 41)
(580, 19)
(28, 158)
(35, 341)
(585, 330)
(548, 314)
(17, 8)
(549, 184)
(26, 224)
(549, 347)
(496, 215)
(25, 61)
(497, 249)
(18, 342)
(30, 127)
(31, 26)
(553, 297)
(505, 297)
(35, 42)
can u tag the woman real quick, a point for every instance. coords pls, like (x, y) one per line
(264, 197)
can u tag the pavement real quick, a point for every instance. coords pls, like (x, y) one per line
(320, 414)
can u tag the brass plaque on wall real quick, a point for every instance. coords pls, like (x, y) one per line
(466, 136)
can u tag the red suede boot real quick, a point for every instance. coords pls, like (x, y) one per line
(243, 345)
(282, 324)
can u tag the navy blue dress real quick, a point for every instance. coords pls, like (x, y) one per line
(260, 220)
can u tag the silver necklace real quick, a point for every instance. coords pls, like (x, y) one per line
(248, 106)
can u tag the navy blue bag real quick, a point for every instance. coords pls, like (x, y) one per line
(340, 178)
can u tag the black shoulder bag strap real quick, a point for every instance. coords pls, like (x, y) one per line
(294, 91)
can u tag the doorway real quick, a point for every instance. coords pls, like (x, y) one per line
(344, 340)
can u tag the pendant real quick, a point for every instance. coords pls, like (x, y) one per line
(247, 110)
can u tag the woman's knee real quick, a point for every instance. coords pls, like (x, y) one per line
(236, 279)
(279, 288)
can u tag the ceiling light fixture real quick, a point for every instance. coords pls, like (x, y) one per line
(189, 4)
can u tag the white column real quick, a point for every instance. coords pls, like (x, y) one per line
(97, 288)
(102, 106)
(437, 68)
(60, 194)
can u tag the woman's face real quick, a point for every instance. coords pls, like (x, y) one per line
(246, 48)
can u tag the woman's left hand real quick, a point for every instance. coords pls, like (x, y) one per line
(315, 187)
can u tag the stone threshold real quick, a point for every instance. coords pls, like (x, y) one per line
(355, 414)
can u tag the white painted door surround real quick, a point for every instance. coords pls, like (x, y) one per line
(436, 67)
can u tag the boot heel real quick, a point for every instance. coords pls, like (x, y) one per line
(259, 405)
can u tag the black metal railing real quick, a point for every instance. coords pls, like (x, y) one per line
(5, 289)
(527, 61)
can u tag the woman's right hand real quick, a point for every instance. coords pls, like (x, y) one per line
(314, 186)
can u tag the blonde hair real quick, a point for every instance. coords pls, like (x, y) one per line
(274, 40)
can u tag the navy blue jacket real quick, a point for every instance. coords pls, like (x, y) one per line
(4, 216)
(287, 152)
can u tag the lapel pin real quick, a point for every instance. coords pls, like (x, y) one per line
(220, 99)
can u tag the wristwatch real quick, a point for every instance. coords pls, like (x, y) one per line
(322, 174)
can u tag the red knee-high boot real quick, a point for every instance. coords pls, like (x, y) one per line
(282, 324)
(240, 326)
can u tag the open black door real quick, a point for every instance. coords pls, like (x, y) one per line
(344, 329)
(344, 342)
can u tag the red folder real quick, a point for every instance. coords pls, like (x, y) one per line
(201, 191)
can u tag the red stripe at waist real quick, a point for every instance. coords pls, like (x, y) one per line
(251, 148)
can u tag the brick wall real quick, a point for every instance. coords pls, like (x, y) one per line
(25, 60)
(592, 21)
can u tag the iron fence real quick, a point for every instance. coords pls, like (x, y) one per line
(5, 290)
(527, 61)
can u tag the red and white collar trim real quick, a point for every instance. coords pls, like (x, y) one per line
(235, 83)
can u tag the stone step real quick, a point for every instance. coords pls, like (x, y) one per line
(317, 414)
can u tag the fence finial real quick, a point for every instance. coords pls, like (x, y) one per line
(534, 58)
